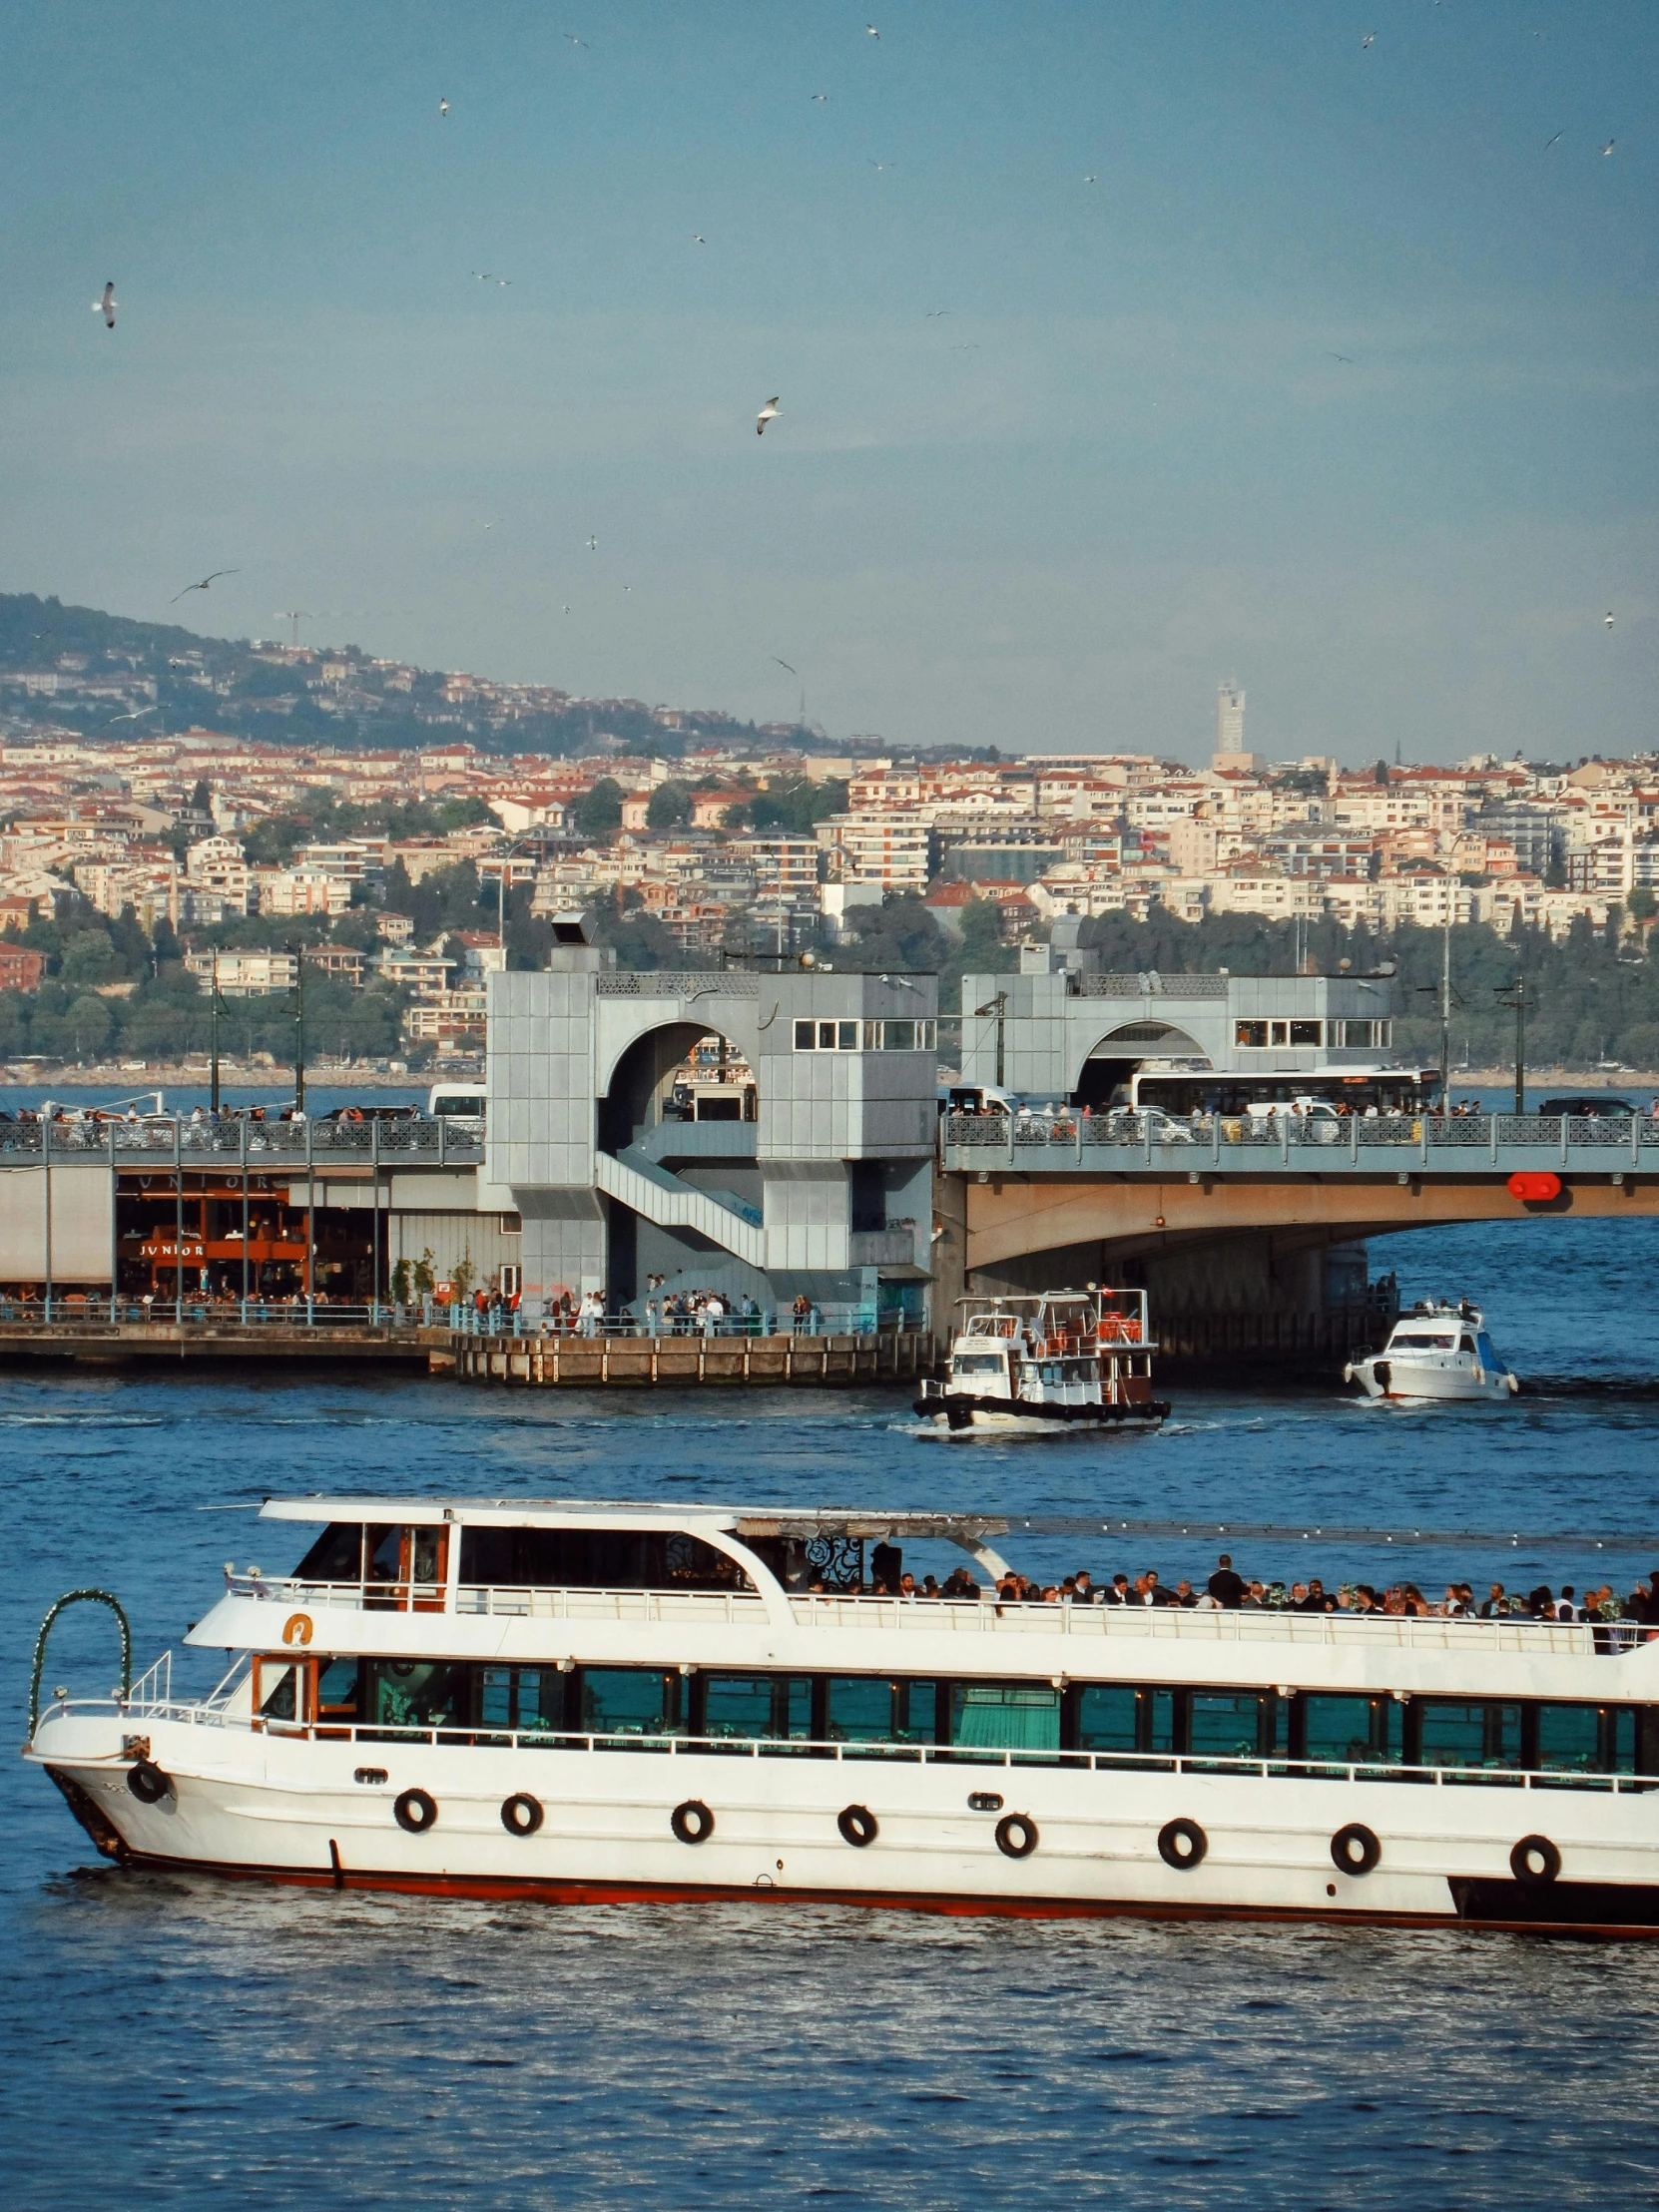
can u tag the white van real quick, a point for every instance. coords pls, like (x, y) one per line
(462, 1103)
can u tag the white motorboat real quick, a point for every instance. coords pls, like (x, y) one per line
(589, 1703)
(1039, 1366)
(1437, 1351)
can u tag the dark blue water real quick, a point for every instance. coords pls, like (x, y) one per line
(185, 2043)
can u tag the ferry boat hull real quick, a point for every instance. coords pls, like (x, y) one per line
(298, 1815)
(954, 1413)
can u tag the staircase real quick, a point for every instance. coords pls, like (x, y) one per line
(656, 1194)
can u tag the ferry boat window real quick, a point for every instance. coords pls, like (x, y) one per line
(530, 1700)
(1349, 1731)
(1116, 1716)
(1418, 1340)
(1005, 1716)
(1304, 1032)
(630, 1701)
(1229, 1724)
(337, 1556)
(976, 1362)
(769, 1707)
(281, 1702)
(399, 1555)
(415, 1694)
(867, 1711)
(1467, 1735)
(596, 1559)
(336, 1690)
(1584, 1739)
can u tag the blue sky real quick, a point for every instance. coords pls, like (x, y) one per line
(1119, 465)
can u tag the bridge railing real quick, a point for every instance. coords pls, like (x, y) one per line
(1452, 1142)
(423, 1139)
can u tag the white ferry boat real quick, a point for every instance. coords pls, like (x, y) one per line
(1435, 1350)
(588, 1702)
(1036, 1366)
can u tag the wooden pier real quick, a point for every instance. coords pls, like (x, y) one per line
(590, 1362)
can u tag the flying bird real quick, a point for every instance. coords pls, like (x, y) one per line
(136, 716)
(819, 98)
(1347, 357)
(1091, 179)
(593, 545)
(698, 239)
(1607, 620)
(572, 40)
(769, 413)
(1608, 147)
(206, 581)
(970, 349)
(873, 32)
(505, 283)
(1555, 141)
(1369, 39)
(935, 314)
(107, 306)
(444, 107)
(784, 663)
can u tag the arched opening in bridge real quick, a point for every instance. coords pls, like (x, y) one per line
(1106, 1075)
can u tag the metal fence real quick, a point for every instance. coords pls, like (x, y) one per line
(430, 1140)
(1548, 1139)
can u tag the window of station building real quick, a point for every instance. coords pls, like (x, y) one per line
(899, 1036)
(826, 1036)
(1279, 1032)
(1348, 1731)
(631, 1701)
(1456, 1733)
(595, 1559)
(1582, 1739)
(771, 1708)
(1307, 1032)
(1119, 1717)
(1253, 1033)
(1234, 1724)
(1359, 1033)
(1004, 1716)
(867, 1710)
(406, 1695)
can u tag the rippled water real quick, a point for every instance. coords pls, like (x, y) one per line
(196, 2043)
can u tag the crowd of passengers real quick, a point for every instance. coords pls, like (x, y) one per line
(1229, 1591)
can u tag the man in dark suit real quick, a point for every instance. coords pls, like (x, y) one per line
(1226, 1588)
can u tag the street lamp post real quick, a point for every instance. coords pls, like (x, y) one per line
(999, 1007)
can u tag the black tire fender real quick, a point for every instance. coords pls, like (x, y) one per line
(415, 1812)
(1182, 1845)
(521, 1814)
(1356, 1849)
(147, 1782)
(859, 1826)
(1535, 1862)
(1016, 1834)
(691, 1821)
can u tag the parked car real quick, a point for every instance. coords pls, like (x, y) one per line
(1594, 1105)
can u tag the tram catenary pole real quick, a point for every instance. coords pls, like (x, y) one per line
(212, 1041)
(299, 1031)
(1514, 994)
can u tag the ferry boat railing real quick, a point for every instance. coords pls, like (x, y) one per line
(508, 1601)
(861, 1751)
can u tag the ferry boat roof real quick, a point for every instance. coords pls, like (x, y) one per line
(967, 1530)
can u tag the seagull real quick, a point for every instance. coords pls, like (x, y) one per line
(1555, 141)
(482, 274)
(1091, 179)
(573, 40)
(1607, 620)
(444, 107)
(698, 239)
(567, 609)
(1369, 39)
(206, 581)
(769, 413)
(819, 98)
(873, 32)
(784, 663)
(593, 545)
(1347, 357)
(505, 283)
(136, 716)
(107, 306)
(935, 314)
(1608, 147)
(964, 348)
(874, 163)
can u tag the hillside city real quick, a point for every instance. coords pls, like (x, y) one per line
(181, 812)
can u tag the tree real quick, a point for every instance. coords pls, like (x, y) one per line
(89, 957)
(669, 807)
(598, 813)
(640, 943)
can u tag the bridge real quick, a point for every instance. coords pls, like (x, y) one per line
(1244, 1228)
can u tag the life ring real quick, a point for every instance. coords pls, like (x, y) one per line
(691, 1821)
(415, 1812)
(296, 1629)
(1355, 1849)
(1016, 1835)
(147, 1782)
(521, 1814)
(859, 1826)
(1535, 1862)
(1182, 1845)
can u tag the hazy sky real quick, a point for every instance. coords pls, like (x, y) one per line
(1121, 464)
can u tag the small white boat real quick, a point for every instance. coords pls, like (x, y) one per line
(1035, 1366)
(1435, 1350)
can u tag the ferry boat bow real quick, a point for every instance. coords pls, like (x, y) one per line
(597, 1703)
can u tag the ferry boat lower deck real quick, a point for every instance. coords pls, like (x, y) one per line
(597, 1703)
